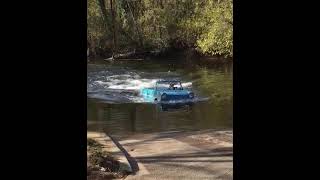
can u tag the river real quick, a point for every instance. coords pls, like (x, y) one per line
(114, 105)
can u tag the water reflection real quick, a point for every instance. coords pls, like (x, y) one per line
(131, 118)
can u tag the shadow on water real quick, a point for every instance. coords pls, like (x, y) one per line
(130, 118)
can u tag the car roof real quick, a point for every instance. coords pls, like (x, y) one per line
(167, 81)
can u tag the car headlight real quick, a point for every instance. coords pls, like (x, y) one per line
(191, 95)
(163, 96)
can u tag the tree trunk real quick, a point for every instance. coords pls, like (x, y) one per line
(113, 27)
(102, 5)
(108, 24)
(136, 27)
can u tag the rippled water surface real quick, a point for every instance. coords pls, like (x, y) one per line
(114, 104)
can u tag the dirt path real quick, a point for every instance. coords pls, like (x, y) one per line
(181, 155)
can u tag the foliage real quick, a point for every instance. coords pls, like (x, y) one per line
(218, 35)
(205, 25)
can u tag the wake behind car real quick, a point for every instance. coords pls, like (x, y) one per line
(168, 92)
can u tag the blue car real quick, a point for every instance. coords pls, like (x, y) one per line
(167, 92)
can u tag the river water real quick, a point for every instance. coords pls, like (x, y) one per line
(114, 105)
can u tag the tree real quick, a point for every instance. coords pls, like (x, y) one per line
(205, 25)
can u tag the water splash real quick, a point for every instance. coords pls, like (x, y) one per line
(122, 86)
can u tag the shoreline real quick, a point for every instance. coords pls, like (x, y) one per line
(103, 154)
(188, 54)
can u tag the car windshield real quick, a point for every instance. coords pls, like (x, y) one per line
(170, 85)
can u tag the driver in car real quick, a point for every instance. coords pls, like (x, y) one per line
(172, 86)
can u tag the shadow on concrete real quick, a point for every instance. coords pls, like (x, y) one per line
(133, 163)
(214, 155)
(189, 157)
(205, 171)
(161, 137)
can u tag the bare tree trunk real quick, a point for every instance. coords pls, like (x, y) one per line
(160, 32)
(108, 24)
(93, 50)
(136, 27)
(113, 27)
(102, 5)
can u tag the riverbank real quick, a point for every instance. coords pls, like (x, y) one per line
(101, 164)
(104, 159)
(180, 56)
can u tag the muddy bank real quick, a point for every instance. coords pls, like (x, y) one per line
(190, 56)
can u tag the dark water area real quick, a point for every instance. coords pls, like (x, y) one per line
(114, 105)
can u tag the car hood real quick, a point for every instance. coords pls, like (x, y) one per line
(175, 92)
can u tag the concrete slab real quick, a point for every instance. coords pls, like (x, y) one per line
(185, 155)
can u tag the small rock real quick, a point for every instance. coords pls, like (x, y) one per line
(103, 169)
